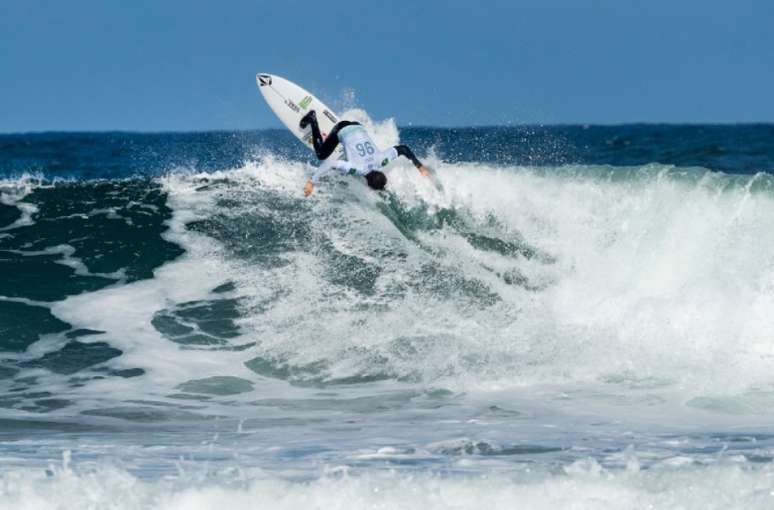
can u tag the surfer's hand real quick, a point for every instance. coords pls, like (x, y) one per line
(424, 170)
(308, 188)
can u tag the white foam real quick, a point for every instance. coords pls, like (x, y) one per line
(13, 192)
(384, 132)
(585, 485)
(124, 312)
(68, 259)
(654, 277)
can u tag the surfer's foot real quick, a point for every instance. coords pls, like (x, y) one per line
(306, 119)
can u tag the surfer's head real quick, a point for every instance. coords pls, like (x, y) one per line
(376, 179)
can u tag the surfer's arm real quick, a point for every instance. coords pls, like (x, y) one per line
(403, 150)
(322, 171)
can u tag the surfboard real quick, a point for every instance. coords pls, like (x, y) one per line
(290, 102)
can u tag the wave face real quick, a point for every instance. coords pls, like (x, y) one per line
(588, 320)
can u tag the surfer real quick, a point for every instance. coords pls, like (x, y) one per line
(362, 155)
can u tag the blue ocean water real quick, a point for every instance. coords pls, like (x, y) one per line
(578, 317)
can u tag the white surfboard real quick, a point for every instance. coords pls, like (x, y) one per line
(290, 102)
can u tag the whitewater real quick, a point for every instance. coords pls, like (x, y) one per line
(529, 335)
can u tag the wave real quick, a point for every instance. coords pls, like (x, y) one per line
(198, 286)
(512, 274)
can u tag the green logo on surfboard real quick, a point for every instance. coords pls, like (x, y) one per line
(304, 103)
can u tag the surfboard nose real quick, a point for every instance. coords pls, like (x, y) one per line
(263, 79)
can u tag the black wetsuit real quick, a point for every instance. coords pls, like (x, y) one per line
(324, 148)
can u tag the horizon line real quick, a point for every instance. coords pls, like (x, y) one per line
(583, 125)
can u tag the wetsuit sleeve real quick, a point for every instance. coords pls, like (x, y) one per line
(404, 151)
(327, 166)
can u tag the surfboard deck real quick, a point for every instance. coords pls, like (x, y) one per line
(290, 102)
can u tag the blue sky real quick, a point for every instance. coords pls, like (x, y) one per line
(156, 65)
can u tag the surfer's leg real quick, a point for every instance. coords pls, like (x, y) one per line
(310, 116)
(323, 148)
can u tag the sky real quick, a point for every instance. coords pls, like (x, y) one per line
(162, 65)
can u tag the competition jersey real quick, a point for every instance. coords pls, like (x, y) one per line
(361, 153)
(359, 149)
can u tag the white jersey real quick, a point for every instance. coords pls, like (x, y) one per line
(361, 153)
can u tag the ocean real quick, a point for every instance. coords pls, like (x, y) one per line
(578, 317)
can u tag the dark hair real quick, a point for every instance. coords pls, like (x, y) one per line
(376, 179)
